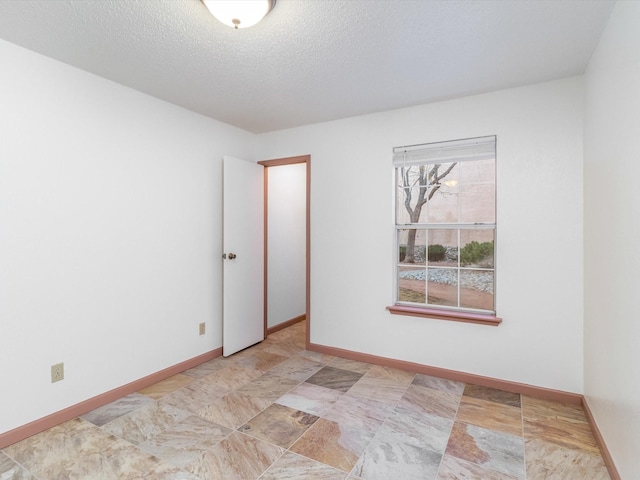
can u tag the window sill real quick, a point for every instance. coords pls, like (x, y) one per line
(445, 315)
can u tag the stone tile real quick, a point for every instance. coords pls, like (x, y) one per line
(383, 390)
(412, 427)
(267, 387)
(310, 398)
(361, 413)
(387, 458)
(294, 332)
(296, 368)
(299, 340)
(183, 443)
(449, 386)
(234, 358)
(122, 461)
(286, 348)
(537, 408)
(490, 415)
(117, 408)
(40, 444)
(10, 470)
(492, 395)
(166, 386)
(141, 424)
(492, 450)
(237, 457)
(551, 462)
(279, 425)
(261, 360)
(333, 444)
(195, 396)
(351, 365)
(335, 378)
(562, 424)
(206, 368)
(233, 410)
(272, 347)
(48, 453)
(388, 373)
(232, 377)
(280, 335)
(79, 450)
(452, 468)
(323, 358)
(296, 467)
(431, 401)
(299, 327)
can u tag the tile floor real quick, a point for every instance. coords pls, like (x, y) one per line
(276, 411)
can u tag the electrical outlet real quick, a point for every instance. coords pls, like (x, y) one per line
(202, 328)
(57, 372)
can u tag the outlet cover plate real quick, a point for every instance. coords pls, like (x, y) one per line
(202, 328)
(57, 372)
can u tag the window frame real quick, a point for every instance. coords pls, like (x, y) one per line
(454, 313)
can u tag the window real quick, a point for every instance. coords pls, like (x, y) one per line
(446, 227)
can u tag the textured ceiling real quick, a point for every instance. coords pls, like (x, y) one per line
(312, 60)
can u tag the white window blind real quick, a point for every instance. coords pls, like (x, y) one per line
(480, 148)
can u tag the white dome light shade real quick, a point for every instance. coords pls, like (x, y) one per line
(239, 13)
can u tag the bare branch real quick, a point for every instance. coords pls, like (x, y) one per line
(433, 191)
(446, 172)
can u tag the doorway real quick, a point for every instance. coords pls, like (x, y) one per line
(279, 307)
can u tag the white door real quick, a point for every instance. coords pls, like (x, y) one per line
(243, 257)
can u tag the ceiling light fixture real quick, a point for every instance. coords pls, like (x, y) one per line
(239, 13)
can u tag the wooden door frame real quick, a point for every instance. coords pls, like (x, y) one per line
(277, 162)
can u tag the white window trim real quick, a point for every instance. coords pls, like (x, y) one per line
(442, 152)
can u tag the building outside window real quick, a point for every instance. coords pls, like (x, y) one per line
(446, 225)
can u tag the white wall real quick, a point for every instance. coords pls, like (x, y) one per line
(612, 237)
(286, 292)
(539, 262)
(110, 217)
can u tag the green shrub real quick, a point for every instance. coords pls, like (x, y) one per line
(436, 253)
(473, 252)
(402, 252)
